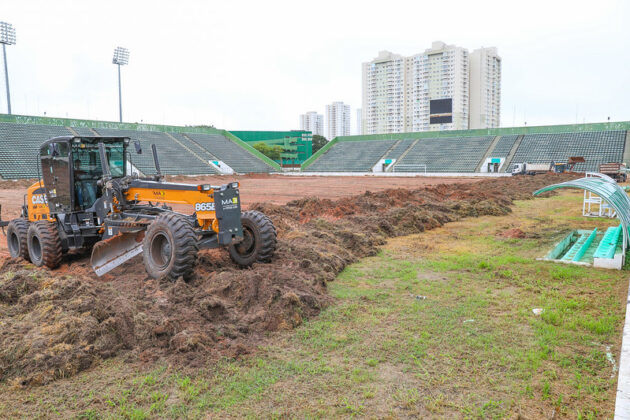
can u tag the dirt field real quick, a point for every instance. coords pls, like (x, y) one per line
(274, 189)
(58, 323)
(395, 335)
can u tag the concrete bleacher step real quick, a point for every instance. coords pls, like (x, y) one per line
(508, 160)
(404, 154)
(596, 147)
(230, 152)
(488, 153)
(198, 146)
(445, 154)
(190, 151)
(390, 149)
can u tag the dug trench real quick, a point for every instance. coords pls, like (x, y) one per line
(57, 323)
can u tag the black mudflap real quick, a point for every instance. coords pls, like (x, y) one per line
(227, 203)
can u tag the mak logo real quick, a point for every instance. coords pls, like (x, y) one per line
(233, 200)
(39, 199)
(159, 193)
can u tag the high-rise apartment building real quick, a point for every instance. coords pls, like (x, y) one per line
(485, 88)
(313, 122)
(337, 120)
(384, 94)
(359, 112)
(432, 90)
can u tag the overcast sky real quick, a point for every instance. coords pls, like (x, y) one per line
(247, 65)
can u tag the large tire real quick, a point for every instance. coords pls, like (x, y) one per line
(259, 240)
(170, 247)
(44, 244)
(17, 238)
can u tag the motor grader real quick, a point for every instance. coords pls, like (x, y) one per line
(88, 197)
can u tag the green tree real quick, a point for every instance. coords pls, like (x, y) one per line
(318, 142)
(272, 152)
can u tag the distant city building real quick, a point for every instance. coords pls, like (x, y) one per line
(485, 88)
(337, 120)
(313, 122)
(384, 94)
(433, 90)
(359, 112)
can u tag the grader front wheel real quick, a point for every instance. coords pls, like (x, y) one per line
(170, 247)
(259, 240)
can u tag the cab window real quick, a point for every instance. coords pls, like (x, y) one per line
(87, 161)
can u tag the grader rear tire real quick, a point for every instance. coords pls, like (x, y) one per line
(44, 244)
(170, 247)
(17, 237)
(259, 240)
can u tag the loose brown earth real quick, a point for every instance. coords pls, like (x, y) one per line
(255, 188)
(57, 323)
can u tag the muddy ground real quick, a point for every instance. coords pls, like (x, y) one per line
(56, 323)
(263, 188)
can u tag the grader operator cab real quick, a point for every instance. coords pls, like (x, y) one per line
(88, 198)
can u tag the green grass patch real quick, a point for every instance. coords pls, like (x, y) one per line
(436, 325)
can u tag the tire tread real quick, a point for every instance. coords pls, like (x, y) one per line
(50, 241)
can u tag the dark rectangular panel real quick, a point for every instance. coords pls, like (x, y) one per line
(441, 106)
(441, 120)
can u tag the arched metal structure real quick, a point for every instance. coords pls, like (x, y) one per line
(612, 193)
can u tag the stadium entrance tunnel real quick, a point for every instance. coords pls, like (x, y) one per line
(591, 247)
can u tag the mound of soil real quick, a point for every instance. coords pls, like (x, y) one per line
(56, 323)
(514, 233)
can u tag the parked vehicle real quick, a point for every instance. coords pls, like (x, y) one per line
(532, 168)
(615, 170)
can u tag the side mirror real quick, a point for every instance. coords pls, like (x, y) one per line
(138, 147)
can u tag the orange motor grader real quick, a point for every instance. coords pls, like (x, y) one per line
(86, 197)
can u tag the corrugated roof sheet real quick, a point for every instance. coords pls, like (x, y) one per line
(612, 193)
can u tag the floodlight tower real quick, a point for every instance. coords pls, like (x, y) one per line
(121, 58)
(7, 37)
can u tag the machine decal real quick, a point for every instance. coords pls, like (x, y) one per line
(230, 203)
(204, 206)
(39, 199)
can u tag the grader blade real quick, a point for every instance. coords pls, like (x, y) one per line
(110, 253)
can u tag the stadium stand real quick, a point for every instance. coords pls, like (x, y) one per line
(503, 146)
(194, 146)
(21, 137)
(20, 146)
(466, 151)
(595, 146)
(83, 131)
(446, 154)
(399, 149)
(352, 156)
(174, 159)
(229, 152)
(190, 150)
